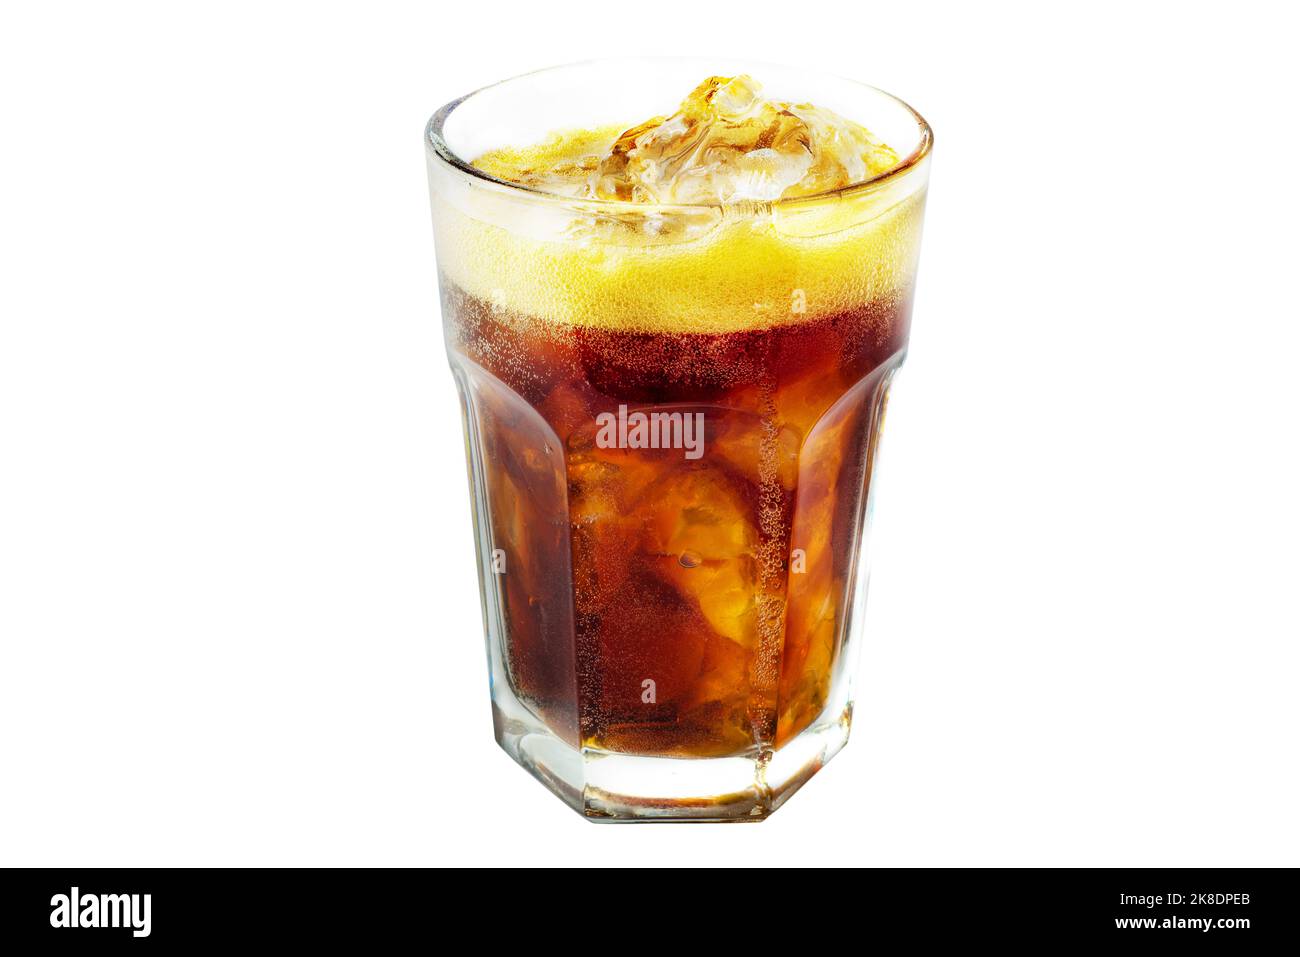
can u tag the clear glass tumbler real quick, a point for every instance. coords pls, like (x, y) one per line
(671, 415)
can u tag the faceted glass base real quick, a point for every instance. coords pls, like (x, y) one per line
(608, 787)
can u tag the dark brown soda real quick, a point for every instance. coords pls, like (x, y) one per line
(653, 603)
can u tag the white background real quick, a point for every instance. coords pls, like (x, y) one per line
(239, 619)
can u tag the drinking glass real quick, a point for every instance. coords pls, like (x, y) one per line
(672, 415)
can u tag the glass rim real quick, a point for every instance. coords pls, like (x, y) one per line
(439, 148)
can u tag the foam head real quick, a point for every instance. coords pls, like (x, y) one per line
(702, 219)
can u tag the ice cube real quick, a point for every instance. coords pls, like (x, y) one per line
(726, 143)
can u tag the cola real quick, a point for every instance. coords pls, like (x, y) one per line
(627, 565)
(674, 343)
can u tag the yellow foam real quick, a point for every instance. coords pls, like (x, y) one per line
(538, 164)
(743, 274)
(560, 258)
